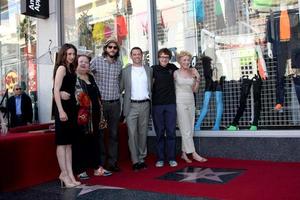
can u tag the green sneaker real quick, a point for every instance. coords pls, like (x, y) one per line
(232, 128)
(253, 128)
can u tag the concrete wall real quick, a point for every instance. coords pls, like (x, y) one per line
(47, 29)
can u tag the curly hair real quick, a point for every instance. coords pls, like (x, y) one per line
(182, 54)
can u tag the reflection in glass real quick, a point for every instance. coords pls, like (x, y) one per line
(88, 24)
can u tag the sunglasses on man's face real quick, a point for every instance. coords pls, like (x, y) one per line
(112, 47)
(18, 89)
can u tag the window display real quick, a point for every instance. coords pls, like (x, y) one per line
(88, 24)
(246, 42)
(234, 34)
(17, 50)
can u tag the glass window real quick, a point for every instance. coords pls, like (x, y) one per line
(89, 23)
(232, 33)
(176, 27)
(17, 49)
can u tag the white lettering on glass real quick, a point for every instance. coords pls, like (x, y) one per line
(35, 5)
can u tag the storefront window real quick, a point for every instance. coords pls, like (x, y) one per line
(88, 24)
(176, 26)
(234, 35)
(17, 49)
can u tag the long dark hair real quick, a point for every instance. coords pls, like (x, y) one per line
(61, 59)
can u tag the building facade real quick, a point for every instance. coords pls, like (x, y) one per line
(226, 31)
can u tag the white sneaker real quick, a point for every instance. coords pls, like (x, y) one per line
(173, 163)
(159, 164)
(83, 176)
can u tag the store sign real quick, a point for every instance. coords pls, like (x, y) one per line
(35, 8)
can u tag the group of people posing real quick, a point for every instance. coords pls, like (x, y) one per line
(97, 85)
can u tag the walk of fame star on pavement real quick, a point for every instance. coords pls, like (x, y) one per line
(203, 175)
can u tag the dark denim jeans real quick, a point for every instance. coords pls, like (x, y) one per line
(164, 120)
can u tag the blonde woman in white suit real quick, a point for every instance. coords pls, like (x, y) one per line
(186, 83)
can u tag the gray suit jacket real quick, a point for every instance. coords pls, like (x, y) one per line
(126, 86)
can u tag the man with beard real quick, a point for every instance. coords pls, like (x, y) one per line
(107, 71)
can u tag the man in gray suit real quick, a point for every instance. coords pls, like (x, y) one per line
(136, 81)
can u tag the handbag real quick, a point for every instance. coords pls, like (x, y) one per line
(83, 116)
(103, 122)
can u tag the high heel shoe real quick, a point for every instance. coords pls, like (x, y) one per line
(73, 180)
(76, 183)
(64, 183)
(199, 158)
(185, 158)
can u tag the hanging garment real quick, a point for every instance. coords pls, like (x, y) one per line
(98, 31)
(296, 58)
(237, 62)
(283, 50)
(245, 91)
(199, 10)
(220, 21)
(121, 28)
(236, 56)
(296, 80)
(204, 110)
(272, 3)
(207, 44)
(273, 26)
(261, 64)
(284, 26)
(230, 12)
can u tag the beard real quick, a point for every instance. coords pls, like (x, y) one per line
(111, 55)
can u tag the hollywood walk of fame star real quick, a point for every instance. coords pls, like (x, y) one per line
(90, 188)
(199, 173)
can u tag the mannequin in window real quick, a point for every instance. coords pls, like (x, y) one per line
(247, 82)
(211, 85)
(245, 91)
(278, 37)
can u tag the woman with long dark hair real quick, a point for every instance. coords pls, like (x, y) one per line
(65, 111)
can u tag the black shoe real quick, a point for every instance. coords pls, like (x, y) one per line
(136, 167)
(114, 168)
(142, 165)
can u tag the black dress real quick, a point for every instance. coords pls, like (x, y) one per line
(65, 130)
